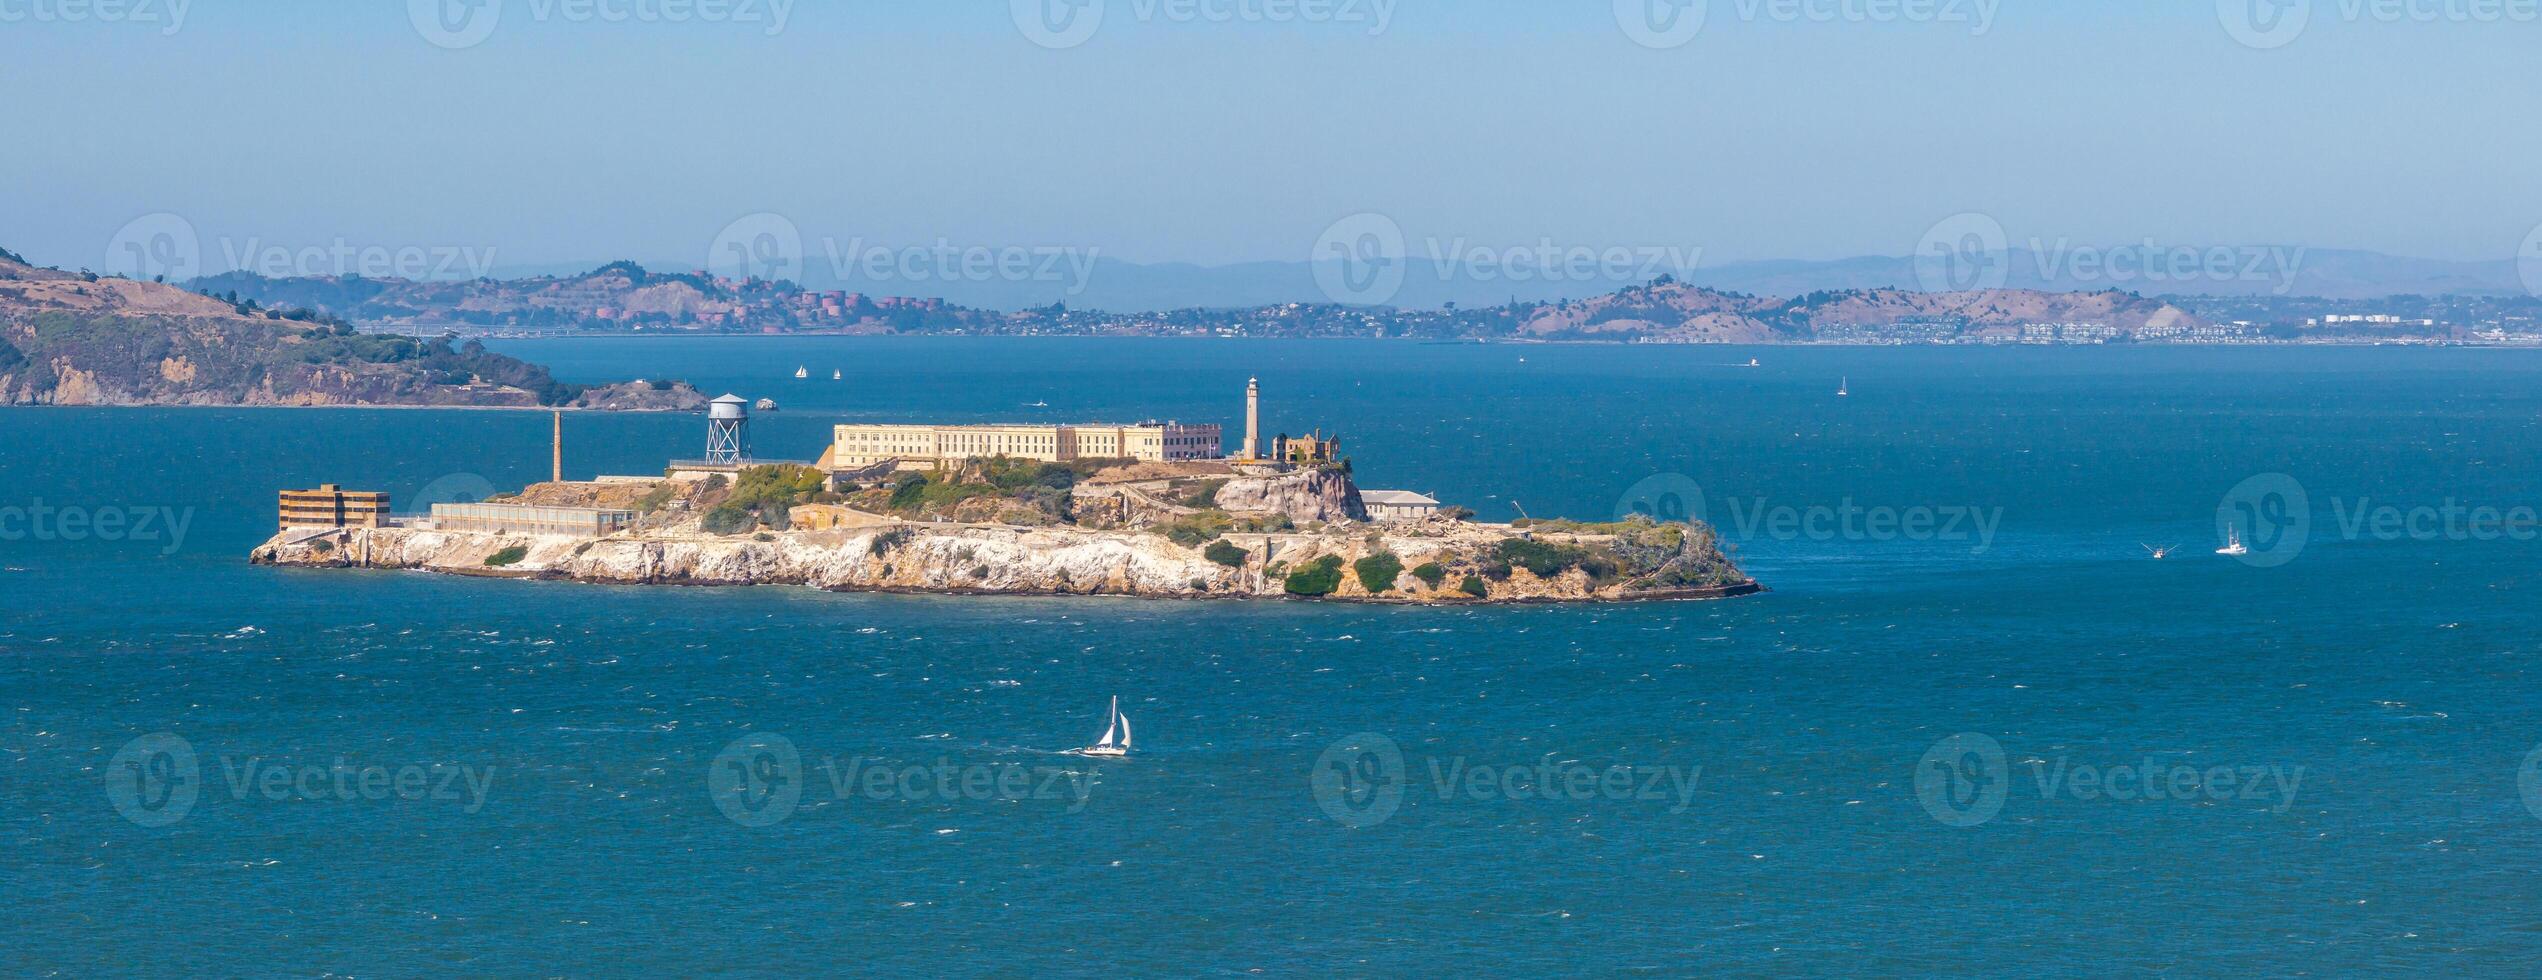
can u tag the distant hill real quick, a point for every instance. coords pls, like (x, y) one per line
(75, 338)
(624, 296)
(1669, 311)
(1115, 284)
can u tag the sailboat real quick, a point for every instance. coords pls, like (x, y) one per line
(1844, 387)
(800, 372)
(2233, 546)
(835, 375)
(1118, 727)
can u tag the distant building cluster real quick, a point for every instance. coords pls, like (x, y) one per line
(2070, 333)
(2368, 319)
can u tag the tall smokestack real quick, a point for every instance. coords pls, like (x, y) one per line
(556, 472)
(1253, 418)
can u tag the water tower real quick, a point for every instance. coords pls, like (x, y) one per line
(728, 430)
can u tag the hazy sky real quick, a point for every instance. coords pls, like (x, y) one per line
(554, 131)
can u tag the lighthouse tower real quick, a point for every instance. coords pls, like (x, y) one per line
(1253, 419)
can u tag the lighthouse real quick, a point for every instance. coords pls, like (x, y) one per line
(1253, 419)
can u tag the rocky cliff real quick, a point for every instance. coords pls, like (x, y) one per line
(1440, 563)
(1303, 495)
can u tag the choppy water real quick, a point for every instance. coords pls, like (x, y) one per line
(1758, 786)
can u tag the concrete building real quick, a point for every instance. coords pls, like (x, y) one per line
(587, 522)
(1398, 505)
(332, 506)
(920, 446)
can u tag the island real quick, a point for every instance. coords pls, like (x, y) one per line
(1152, 509)
(78, 338)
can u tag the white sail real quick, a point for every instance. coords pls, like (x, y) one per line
(1111, 725)
(1125, 733)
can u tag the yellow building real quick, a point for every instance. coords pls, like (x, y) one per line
(920, 446)
(333, 506)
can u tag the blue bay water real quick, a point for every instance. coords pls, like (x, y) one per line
(2390, 677)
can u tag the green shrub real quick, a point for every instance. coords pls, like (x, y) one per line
(1377, 572)
(1545, 560)
(656, 499)
(1320, 577)
(1204, 493)
(1194, 530)
(729, 518)
(1430, 573)
(1226, 553)
(763, 537)
(1474, 587)
(768, 492)
(886, 541)
(322, 546)
(506, 557)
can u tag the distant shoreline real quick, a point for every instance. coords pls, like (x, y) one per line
(1522, 342)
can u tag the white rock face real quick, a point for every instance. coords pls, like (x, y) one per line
(947, 559)
(1304, 495)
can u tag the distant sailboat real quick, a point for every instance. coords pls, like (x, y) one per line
(2233, 546)
(1844, 387)
(1116, 736)
(801, 372)
(835, 376)
(1752, 362)
(2162, 552)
